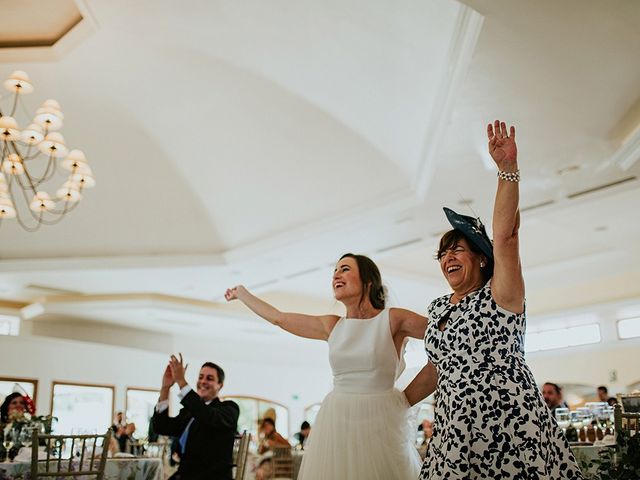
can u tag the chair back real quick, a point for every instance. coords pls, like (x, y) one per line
(240, 454)
(282, 463)
(61, 460)
(156, 449)
(625, 419)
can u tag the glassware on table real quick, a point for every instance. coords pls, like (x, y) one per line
(25, 437)
(563, 418)
(587, 419)
(8, 441)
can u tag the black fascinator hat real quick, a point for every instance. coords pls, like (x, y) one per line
(472, 229)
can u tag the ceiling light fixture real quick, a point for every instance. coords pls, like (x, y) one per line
(30, 158)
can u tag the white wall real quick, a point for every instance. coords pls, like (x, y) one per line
(616, 365)
(249, 371)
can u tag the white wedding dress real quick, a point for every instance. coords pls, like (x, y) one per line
(362, 431)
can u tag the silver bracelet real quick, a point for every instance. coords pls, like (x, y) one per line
(509, 176)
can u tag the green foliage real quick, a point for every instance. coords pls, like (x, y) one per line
(621, 463)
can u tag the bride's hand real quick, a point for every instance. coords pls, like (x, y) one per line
(232, 293)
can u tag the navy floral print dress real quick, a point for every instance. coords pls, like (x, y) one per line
(490, 419)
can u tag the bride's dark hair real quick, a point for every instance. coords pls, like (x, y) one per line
(371, 280)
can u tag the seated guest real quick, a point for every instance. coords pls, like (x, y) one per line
(126, 437)
(552, 394)
(270, 439)
(303, 434)
(603, 393)
(603, 396)
(14, 405)
(118, 423)
(427, 427)
(205, 425)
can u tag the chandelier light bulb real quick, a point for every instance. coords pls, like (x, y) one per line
(7, 209)
(9, 130)
(51, 103)
(53, 144)
(49, 118)
(12, 165)
(42, 202)
(19, 82)
(22, 171)
(76, 162)
(69, 193)
(85, 180)
(32, 135)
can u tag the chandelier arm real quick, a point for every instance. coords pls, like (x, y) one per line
(24, 157)
(15, 104)
(60, 213)
(26, 112)
(27, 155)
(29, 228)
(48, 173)
(22, 223)
(31, 185)
(3, 155)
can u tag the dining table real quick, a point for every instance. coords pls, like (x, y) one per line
(138, 468)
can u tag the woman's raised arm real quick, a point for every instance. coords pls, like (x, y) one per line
(307, 326)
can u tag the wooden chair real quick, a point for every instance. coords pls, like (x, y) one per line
(134, 447)
(282, 464)
(627, 414)
(65, 464)
(157, 449)
(240, 454)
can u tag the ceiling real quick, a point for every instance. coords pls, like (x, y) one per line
(252, 142)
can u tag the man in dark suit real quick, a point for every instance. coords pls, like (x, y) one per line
(205, 426)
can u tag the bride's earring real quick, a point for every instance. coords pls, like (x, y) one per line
(481, 264)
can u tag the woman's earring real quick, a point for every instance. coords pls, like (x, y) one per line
(481, 264)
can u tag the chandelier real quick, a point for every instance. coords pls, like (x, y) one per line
(30, 157)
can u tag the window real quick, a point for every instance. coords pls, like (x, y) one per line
(141, 403)
(9, 325)
(629, 328)
(81, 408)
(562, 337)
(253, 409)
(21, 385)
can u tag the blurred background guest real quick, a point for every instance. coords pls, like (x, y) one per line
(603, 396)
(269, 439)
(14, 405)
(126, 437)
(303, 434)
(426, 427)
(552, 394)
(118, 423)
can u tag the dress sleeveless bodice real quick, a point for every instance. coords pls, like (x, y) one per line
(363, 356)
(362, 431)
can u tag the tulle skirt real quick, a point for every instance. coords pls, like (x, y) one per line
(362, 436)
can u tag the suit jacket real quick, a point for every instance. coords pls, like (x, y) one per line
(208, 453)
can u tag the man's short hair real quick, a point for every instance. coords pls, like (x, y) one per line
(604, 389)
(555, 386)
(217, 369)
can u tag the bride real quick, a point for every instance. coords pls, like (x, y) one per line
(362, 430)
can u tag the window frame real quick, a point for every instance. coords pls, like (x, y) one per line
(33, 381)
(83, 384)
